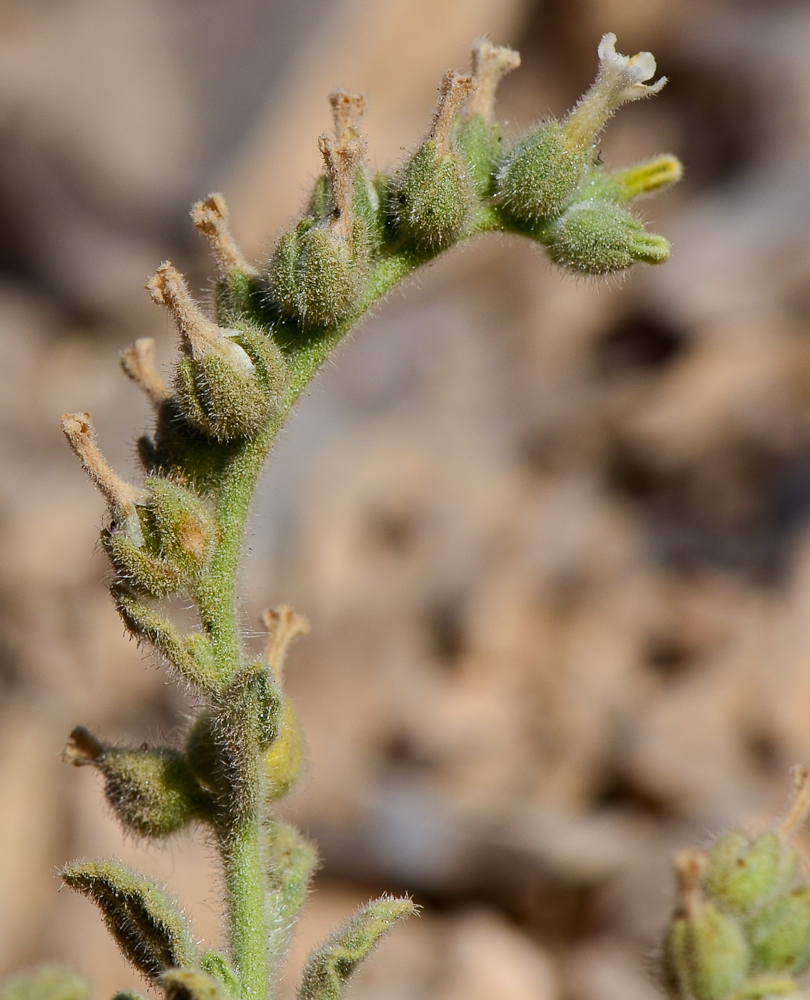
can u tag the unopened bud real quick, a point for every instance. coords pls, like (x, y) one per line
(433, 198)
(191, 984)
(598, 237)
(647, 177)
(218, 966)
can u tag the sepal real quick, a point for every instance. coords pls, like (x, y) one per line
(192, 657)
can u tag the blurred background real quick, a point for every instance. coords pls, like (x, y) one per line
(553, 536)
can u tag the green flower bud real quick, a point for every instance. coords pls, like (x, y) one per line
(705, 955)
(230, 381)
(597, 237)
(319, 269)
(780, 933)
(153, 792)
(743, 874)
(147, 924)
(648, 177)
(433, 198)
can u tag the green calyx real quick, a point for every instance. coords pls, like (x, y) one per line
(318, 273)
(598, 237)
(231, 391)
(153, 792)
(541, 173)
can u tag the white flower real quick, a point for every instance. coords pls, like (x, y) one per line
(620, 79)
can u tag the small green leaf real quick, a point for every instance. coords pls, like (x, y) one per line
(218, 966)
(150, 929)
(328, 969)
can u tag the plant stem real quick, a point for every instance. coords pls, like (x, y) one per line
(244, 878)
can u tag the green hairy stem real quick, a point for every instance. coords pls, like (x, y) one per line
(742, 925)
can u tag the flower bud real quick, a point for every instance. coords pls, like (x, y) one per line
(152, 792)
(230, 381)
(598, 237)
(433, 199)
(319, 269)
(705, 952)
(191, 984)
